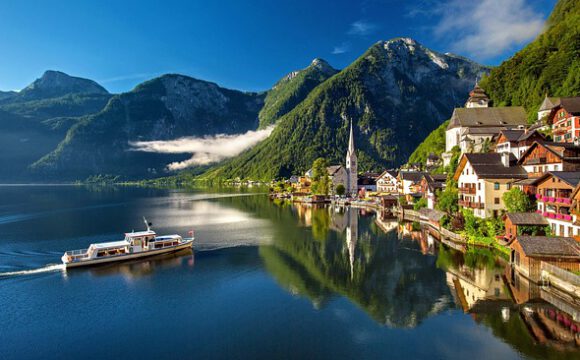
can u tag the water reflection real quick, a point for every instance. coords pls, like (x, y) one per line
(346, 253)
(400, 274)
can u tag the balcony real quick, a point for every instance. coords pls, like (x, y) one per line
(560, 131)
(555, 216)
(467, 190)
(561, 200)
(536, 161)
(472, 205)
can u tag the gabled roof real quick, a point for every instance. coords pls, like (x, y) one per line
(557, 149)
(549, 103)
(517, 135)
(512, 116)
(527, 219)
(570, 104)
(545, 246)
(571, 178)
(392, 173)
(435, 181)
(490, 166)
(333, 169)
(414, 176)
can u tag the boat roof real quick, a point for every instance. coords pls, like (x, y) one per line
(167, 237)
(110, 244)
(140, 233)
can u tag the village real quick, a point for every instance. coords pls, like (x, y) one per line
(502, 183)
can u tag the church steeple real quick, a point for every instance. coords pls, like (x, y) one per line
(351, 165)
(477, 98)
(351, 141)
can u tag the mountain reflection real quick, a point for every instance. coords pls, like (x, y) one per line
(347, 253)
(400, 275)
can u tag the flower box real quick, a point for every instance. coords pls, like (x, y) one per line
(568, 217)
(551, 199)
(551, 215)
(566, 201)
(559, 216)
(538, 196)
(546, 214)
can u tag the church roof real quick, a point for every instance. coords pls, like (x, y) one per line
(333, 169)
(549, 103)
(511, 116)
(351, 141)
(477, 93)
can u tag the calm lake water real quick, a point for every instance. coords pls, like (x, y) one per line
(266, 281)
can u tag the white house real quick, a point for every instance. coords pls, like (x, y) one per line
(483, 179)
(387, 182)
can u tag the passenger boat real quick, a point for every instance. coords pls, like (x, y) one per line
(135, 245)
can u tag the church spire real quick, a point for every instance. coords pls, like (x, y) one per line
(351, 140)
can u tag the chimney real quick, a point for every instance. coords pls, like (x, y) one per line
(505, 159)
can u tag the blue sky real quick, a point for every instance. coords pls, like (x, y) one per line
(244, 44)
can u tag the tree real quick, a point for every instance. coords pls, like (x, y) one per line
(320, 179)
(340, 190)
(447, 199)
(516, 200)
(420, 204)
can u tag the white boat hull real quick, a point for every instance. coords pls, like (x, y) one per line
(131, 256)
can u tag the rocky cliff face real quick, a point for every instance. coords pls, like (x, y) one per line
(395, 94)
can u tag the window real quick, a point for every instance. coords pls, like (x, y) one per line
(496, 201)
(496, 186)
(508, 186)
(478, 186)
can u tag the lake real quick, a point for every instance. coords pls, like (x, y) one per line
(265, 281)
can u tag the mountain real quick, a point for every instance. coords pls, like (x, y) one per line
(165, 108)
(292, 89)
(7, 94)
(548, 65)
(53, 84)
(34, 120)
(395, 94)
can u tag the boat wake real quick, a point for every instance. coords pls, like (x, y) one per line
(44, 269)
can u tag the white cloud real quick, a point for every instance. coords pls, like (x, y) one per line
(361, 27)
(205, 150)
(487, 28)
(341, 49)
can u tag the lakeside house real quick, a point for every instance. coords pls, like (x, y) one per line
(528, 252)
(563, 114)
(517, 141)
(410, 182)
(554, 201)
(523, 223)
(542, 157)
(387, 182)
(367, 182)
(430, 184)
(483, 179)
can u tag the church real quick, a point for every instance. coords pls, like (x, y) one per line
(347, 175)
